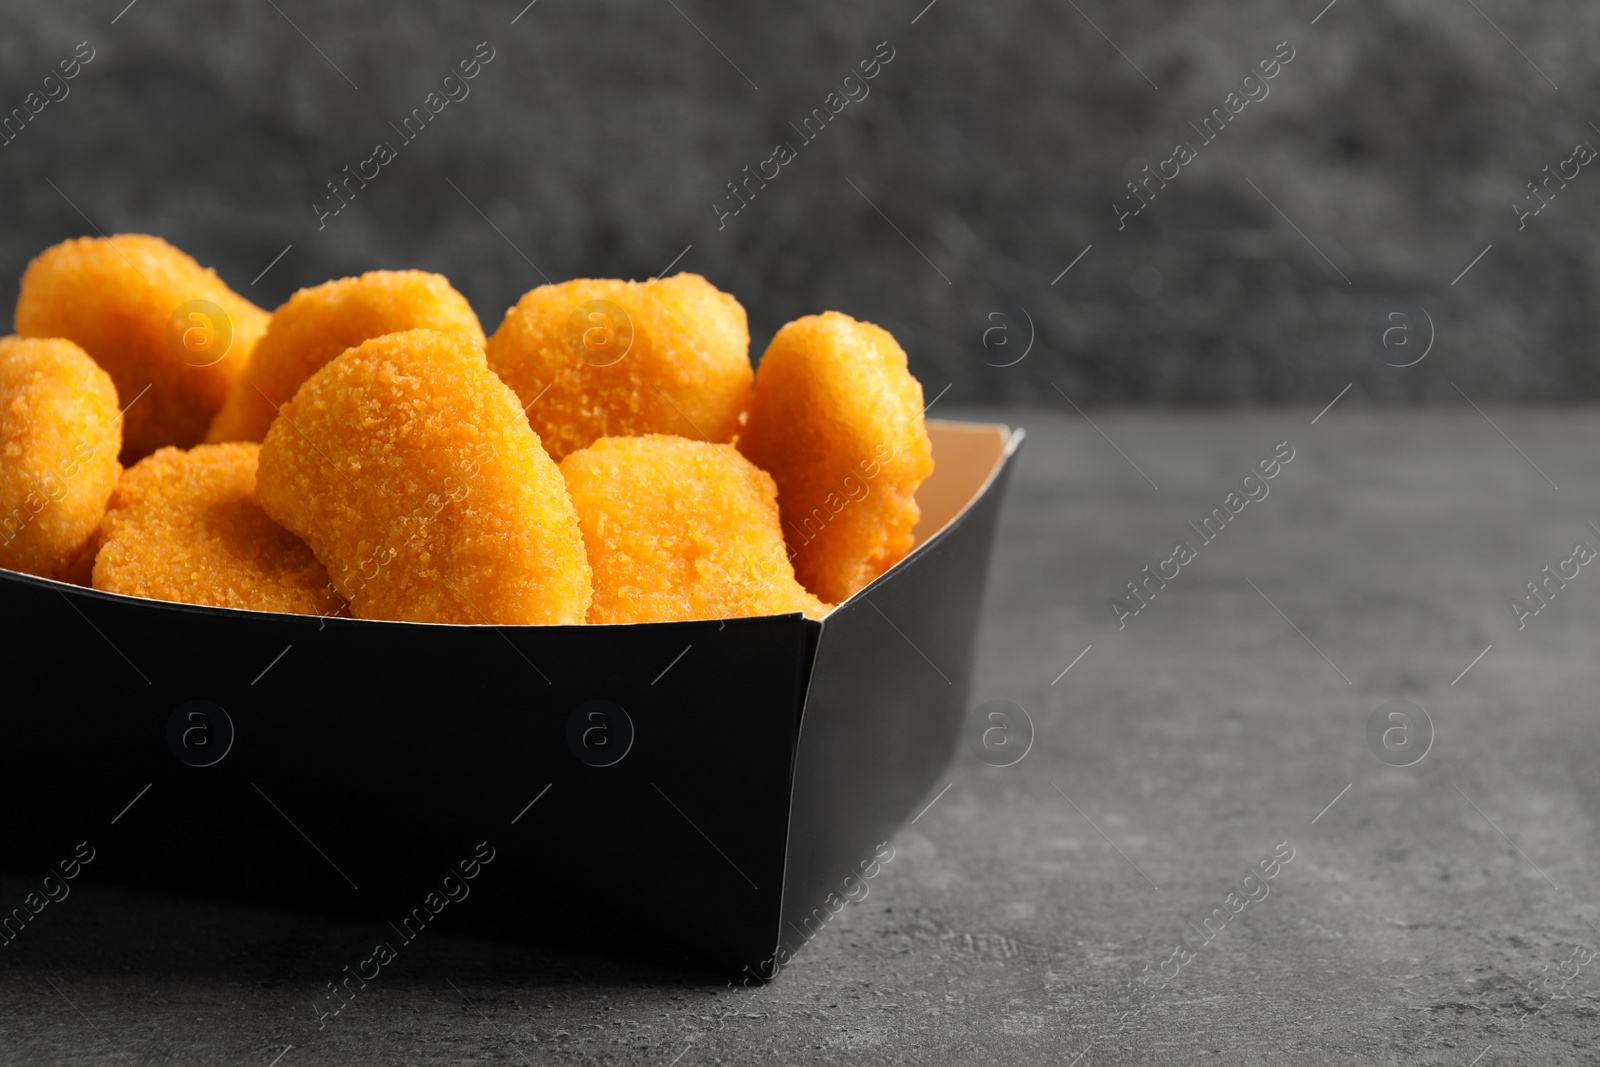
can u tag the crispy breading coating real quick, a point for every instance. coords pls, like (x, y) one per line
(318, 323)
(595, 358)
(59, 440)
(185, 526)
(151, 316)
(679, 529)
(410, 470)
(836, 419)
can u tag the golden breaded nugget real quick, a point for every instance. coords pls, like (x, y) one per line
(409, 468)
(836, 419)
(185, 526)
(597, 358)
(81, 570)
(680, 529)
(59, 439)
(316, 324)
(151, 316)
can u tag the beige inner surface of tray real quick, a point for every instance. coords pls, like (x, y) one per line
(965, 455)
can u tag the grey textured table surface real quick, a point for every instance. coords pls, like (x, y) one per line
(1433, 914)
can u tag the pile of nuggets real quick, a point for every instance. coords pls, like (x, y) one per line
(606, 456)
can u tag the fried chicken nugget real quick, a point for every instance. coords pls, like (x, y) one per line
(595, 358)
(412, 473)
(185, 526)
(316, 324)
(680, 529)
(59, 439)
(836, 419)
(151, 316)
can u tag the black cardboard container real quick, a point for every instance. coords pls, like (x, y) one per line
(701, 792)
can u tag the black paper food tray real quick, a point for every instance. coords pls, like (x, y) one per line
(768, 757)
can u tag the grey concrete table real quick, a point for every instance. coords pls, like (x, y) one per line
(1436, 914)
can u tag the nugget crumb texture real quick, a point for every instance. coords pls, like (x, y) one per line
(412, 473)
(185, 526)
(117, 297)
(836, 419)
(319, 323)
(602, 358)
(59, 439)
(680, 529)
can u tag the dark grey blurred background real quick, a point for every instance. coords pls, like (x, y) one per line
(997, 140)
